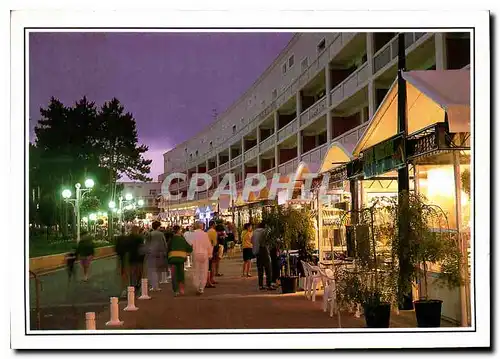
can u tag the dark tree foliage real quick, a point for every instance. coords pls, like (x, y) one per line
(78, 142)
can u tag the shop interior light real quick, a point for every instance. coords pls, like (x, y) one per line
(440, 182)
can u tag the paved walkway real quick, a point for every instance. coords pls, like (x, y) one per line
(63, 304)
(236, 303)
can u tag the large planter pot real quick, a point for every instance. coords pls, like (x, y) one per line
(289, 284)
(377, 316)
(428, 313)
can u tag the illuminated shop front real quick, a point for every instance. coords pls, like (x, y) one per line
(436, 151)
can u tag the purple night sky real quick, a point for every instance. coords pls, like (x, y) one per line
(170, 82)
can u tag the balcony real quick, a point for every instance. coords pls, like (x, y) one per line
(288, 167)
(251, 153)
(313, 112)
(389, 51)
(236, 161)
(269, 173)
(267, 143)
(317, 65)
(350, 85)
(352, 136)
(288, 130)
(316, 155)
(224, 167)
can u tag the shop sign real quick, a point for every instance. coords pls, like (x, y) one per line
(384, 157)
(337, 177)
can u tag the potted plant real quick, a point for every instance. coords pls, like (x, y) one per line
(371, 284)
(292, 229)
(427, 243)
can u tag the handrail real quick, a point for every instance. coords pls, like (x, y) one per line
(37, 298)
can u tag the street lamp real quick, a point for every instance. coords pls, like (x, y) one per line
(76, 202)
(140, 202)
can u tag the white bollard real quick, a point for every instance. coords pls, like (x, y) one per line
(188, 262)
(90, 321)
(115, 320)
(131, 300)
(144, 289)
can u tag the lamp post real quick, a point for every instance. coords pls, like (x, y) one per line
(76, 202)
(124, 203)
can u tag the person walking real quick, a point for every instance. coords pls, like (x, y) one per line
(212, 265)
(85, 252)
(178, 250)
(246, 236)
(202, 252)
(221, 244)
(156, 250)
(136, 256)
(261, 251)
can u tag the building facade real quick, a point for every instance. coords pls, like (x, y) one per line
(322, 88)
(146, 191)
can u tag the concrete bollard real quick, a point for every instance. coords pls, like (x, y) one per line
(90, 321)
(144, 289)
(131, 300)
(114, 320)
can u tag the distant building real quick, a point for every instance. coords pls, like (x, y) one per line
(147, 191)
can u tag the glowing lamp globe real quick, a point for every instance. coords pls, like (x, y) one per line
(140, 202)
(66, 193)
(112, 204)
(89, 183)
(128, 197)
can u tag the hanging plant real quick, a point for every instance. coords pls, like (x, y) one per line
(466, 182)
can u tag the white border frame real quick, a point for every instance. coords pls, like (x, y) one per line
(266, 20)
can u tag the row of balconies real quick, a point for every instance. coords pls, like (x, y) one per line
(316, 155)
(383, 58)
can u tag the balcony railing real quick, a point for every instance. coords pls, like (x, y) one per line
(212, 172)
(390, 50)
(288, 130)
(313, 112)
(236, 161)
(351, 137)
(269, 173)
(268, 142)
(288, 167)
(224, 167)
(251, 153)
(350, 85)
(316, 155)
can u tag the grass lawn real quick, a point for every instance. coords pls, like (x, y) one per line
(41, 247)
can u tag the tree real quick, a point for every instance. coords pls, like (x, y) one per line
(90, 204)
(129, 215)
(120, 153)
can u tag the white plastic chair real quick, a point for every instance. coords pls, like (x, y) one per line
(311, 273)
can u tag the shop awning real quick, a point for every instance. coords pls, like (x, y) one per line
(337, 155)
(430, 95)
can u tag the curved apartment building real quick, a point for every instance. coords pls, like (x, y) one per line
(322, 88)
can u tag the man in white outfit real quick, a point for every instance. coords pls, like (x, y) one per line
(202, 252)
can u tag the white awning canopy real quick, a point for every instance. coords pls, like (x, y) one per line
(337, 155)
(430, 95)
